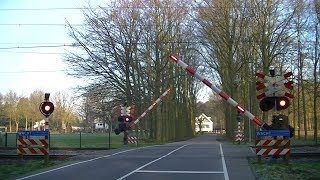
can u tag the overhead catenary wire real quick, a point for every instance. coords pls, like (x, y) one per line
(39, 24)
(29, 52)
(32, 71)
(43, 46)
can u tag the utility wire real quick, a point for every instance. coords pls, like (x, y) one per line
(44, 46)
(18, 72)
(39, 9)
(38, 24)
(29, 52)
(33, 43)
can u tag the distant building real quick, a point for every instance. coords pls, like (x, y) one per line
(205, 122)
(98, 125)
(39, 125)
(76, 128)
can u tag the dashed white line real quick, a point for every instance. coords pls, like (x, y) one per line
(226, 176)
(139, 168)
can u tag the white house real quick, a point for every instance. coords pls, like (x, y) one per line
(206, 123)
(39, 125)
(98, 125)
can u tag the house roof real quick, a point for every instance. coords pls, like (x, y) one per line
(204, 117)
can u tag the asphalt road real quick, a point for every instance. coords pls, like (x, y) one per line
(199, 158)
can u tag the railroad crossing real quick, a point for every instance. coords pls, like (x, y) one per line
(199, 158)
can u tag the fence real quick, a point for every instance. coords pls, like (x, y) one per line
(71, 140)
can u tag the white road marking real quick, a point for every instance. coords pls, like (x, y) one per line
(226, 176)
(182, 172)
(138, 169)
(225, 172)
(81, 162)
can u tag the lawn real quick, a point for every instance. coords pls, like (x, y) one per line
(302, 168)
(85, 140)
(12, 170)
(277, 170)
(73, 140)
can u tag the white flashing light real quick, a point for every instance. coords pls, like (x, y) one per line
(282, 103)
(47, 108)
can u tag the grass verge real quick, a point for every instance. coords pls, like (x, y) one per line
(14, 168)
(276, 169)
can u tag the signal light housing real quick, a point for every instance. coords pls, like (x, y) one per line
(128, 119)
(46, 108)
(268, 103)
(123, 125)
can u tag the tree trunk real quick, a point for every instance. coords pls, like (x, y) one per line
(315, 87)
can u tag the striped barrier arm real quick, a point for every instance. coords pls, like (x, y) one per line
(149, 108)
(190, 70)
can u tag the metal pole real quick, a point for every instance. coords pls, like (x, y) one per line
(109, 134)
(125, 138)
(6, 138)
(80, 140)
(46, 156)
(250, 109)
(232, 102)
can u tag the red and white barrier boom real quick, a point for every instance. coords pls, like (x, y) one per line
(190, 70)
(150, 107)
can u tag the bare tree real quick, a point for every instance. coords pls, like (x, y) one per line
(245, 36)
(124, 50)
(316, 84)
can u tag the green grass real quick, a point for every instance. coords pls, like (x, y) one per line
(86, 140)
(74, 140)
(300, 142)
(15, 169)
(296, 169)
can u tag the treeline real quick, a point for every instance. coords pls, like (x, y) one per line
(123, 49)
(20, 112)
(123, 52)
(251, 36)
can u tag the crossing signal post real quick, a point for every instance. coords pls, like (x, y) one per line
(46, 108)
(124, 119)
(275, 96)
